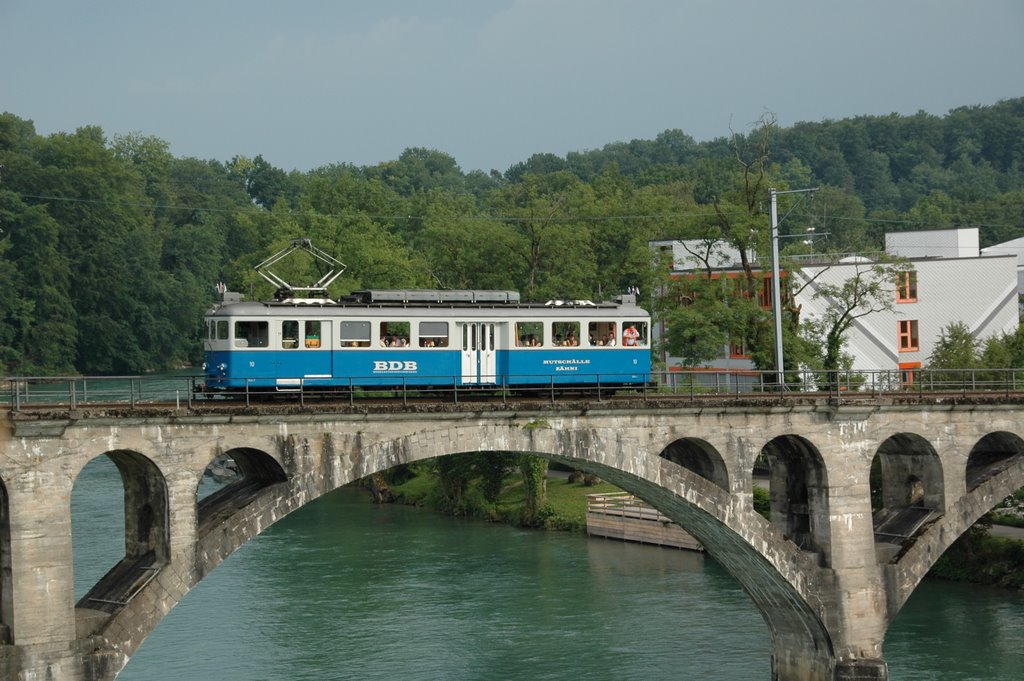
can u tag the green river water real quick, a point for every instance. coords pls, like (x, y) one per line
(344, 589)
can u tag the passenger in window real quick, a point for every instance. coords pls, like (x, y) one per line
(630, 336)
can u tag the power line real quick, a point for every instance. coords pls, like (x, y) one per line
(840, 218)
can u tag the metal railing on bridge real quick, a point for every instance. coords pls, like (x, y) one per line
(844, 383)
(76, 391)
(183, 390)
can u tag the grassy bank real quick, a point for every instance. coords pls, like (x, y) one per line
(1010, 511)
(565, 506)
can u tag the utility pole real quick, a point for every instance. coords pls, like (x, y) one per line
(780, 368)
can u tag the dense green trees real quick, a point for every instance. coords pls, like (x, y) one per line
(109, 249)
(107, 270)
(957, 349)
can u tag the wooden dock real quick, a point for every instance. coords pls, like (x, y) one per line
(623, 516)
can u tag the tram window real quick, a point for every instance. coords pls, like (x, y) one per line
(566, 334)
(312, 334)
(222, 329)
(289, 334)
(433, 334)
(634, 333)
(601, 334)
(355, 334)
(529, 334)
(394, 334)
(252, 334)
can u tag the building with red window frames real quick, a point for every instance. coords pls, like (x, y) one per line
(949, 280)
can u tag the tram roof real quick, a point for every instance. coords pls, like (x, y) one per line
(360, 303)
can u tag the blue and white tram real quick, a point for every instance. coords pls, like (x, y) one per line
(424, 338)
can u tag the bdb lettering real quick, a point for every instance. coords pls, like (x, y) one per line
(394, 365)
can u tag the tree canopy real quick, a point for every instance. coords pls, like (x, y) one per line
(110, 248)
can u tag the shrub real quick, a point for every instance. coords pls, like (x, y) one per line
(763, 502)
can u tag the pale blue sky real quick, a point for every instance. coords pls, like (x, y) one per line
(491, 82)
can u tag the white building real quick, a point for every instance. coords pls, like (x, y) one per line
(1014, 247)
(949, 281)
(696, 254)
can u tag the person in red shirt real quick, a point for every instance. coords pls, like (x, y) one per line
(630, 336)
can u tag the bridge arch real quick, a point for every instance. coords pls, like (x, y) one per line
(767, 566)
(753, 558)
(799, 494)
(255, 469)
(146, 534)
(995, 468)
(260, 482)
(6, 587)
(700, 457)
(762, 560)
(907, 491)
(991, 455)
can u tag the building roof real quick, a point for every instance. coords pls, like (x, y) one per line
(961, 242)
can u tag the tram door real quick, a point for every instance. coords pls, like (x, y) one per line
(479, 360)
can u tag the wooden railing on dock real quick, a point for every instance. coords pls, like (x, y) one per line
(623, 516)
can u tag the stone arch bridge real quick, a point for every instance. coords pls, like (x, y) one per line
(827, 573)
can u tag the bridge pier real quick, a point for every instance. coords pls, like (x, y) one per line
(43, 662)
(862, 670)
(40, 595)
(852, 592)
(796, 661)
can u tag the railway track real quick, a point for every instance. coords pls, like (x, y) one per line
(475, 401)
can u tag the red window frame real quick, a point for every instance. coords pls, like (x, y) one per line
(764, 295)
(736, 287)
(907, 373)
(738, 349)
(906, 287)
(907, 332)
